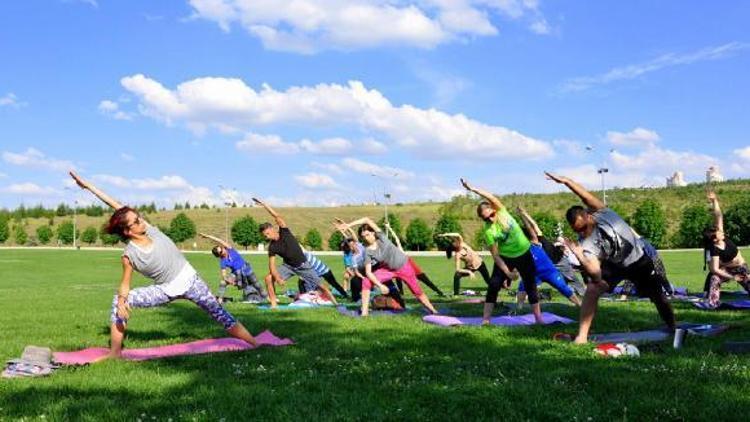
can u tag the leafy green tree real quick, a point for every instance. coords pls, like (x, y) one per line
(334, 241)
(737, 222)
(65, 233)
(418, 235)
(650, 222)
(4, 229)
(479, 242)
(109, 239)
(695, 219)
(19, 235)
(44, 234)
(181, 228)
(89, 235)
(547, 223)
(245, 232)
(314, 240)
(447, 223)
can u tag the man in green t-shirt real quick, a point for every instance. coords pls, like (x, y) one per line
(510, 250)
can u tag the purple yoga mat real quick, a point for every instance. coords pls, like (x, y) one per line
(734, 304)
(450, 321)
(82, 357)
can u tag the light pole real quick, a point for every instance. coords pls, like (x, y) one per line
(75, 215)
(227, 203)
(386, 194)
(602, 170)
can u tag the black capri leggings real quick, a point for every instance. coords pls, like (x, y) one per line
(525, 266)
(458, 276)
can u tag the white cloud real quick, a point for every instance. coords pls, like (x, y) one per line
(127, 157)
(331, 146)
(10, 100)
(667, 60)
(385, 172)
(741, 161)
(34, 158)
(659, 161)
(371, 146)
(265, 144)
(29, 189)
(636, 137)
(329, 167)
(3, 175)
(308, 26)
(112, 109)
(569, 147)
(743, 153)
(170, 182)
(223, 102)
(316, 181)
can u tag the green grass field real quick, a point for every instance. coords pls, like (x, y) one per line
(346, 369)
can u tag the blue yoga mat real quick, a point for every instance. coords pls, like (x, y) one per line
(737, 305)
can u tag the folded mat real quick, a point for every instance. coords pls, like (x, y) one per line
(450, 321)
(227, 344)
(733, 304)
(654, 336)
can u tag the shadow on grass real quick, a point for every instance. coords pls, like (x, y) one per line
(396, 368)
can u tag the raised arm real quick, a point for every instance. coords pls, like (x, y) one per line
(345, 230)
(276, 216)
(363, 220)
(716, 210)
(114, 204)
(456, 235)
(534, 232)
(216, 240)
(492, 199)
(393, 233)
(591, 201)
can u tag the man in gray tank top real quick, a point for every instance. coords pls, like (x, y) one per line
(609, 250)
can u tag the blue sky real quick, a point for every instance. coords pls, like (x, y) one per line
(325, 102)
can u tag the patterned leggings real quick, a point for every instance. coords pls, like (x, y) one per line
(714, 292)
(198, 293)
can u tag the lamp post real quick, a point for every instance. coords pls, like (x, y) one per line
(602, 170)
(75, 215)
(228, 201)
(386, 194)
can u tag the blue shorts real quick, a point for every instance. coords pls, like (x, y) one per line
(547, 272)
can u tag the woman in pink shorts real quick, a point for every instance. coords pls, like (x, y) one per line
(390, 262)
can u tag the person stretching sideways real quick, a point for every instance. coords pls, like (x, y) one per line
(608, 250)
(154, 255)
(284, 244)
(510, 250)
(391, 261)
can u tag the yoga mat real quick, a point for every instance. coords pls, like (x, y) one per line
(354, 313)
(472, 300)
(450, 321)
(654, 336)
(214, 345)
(296, 305)
(734, 305)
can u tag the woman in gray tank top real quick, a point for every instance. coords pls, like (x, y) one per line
(153, 254)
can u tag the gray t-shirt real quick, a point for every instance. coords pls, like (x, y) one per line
(612, 241)
(386, 253)
(161, 262)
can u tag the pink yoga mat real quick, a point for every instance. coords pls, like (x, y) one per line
(82, 357)
(450, 321)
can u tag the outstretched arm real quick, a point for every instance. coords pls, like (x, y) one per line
(716, 210)
(590, 265)
(114, 204)
(276, 216)
(216, 240)
(343, 228)
(492, 199)
(587, 197)
(363, 220)
(534, 231)
(456, 235)
(393, 233)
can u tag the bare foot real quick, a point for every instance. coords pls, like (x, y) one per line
(579, 340)
(485, 322)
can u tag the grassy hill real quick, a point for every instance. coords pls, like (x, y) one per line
(301, 219)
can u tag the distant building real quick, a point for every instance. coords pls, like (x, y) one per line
(713, 175)
(676, 180)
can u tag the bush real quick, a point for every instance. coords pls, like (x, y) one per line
(89, 235)
(4, 230)
(245, 232)
(314, 240)
(65, 233)
(44, 234)
(447, 223)
(181, 228)
(418, 235)
(547, 223)
(19, 235)
(695, 219)
(737, 222)
(478, 242)
(109, 239)
(334, 241)
(650, 222)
